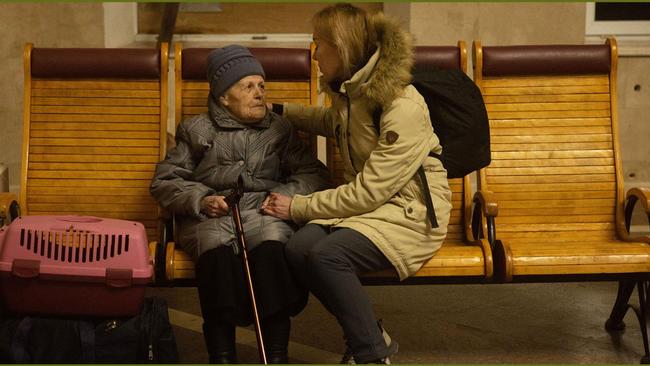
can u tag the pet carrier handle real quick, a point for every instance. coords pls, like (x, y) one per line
(26, 268)
(119, 277)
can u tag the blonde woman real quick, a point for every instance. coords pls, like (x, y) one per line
(378, 219)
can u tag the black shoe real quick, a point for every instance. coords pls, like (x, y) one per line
(277, 356)
(220, 358)
(220, 343)
(276, 337)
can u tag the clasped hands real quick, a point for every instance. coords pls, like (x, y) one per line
(275, 204)
(278, 205)
(214, 206)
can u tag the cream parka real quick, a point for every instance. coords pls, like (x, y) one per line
(382, 198)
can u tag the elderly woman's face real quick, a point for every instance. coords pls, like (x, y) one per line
(246, 99)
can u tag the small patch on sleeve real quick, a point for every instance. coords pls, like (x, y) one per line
(391, 137)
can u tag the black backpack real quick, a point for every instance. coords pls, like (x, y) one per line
(458, 117)
(460, 121)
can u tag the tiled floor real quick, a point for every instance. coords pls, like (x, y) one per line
(515, 323)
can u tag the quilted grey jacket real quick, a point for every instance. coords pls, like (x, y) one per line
(212, 151)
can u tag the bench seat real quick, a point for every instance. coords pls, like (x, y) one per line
(454, 259)
(539, 257)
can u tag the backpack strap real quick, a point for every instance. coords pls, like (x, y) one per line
(376, 117)
(431, 212)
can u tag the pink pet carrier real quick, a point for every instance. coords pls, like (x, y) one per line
(74, 265)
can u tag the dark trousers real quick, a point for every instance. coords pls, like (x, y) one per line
(223, 290)
(328, 263)
(225, 301)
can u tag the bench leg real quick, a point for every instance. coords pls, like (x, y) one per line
(615, 321)
(641, 315)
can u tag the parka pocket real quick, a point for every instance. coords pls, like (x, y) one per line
(415, 211)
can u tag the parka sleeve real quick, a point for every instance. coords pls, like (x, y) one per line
(316, 120)
(403, 144)
(304, 173)
(173, 185)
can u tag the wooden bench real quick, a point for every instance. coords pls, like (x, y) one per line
(94, 132)
(460, 259)
(291, 76)
(95, 122)
(556, 171)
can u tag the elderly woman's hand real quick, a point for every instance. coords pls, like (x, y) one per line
(214, 206)
(277, 205)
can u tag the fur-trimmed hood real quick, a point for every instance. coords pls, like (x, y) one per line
(388, 71)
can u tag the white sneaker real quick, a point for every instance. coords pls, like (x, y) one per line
(393, 347)
(348, 358)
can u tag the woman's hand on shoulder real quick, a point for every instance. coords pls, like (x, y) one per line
(214, 206)
(277, 205)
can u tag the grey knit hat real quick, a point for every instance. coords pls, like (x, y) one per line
(228, 65)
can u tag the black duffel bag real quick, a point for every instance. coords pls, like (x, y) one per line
(145, 338)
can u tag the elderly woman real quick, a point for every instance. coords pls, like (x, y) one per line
(238, 137)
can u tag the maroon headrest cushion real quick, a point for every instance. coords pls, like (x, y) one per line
(546, 60)
(94, 63)
(442, 57)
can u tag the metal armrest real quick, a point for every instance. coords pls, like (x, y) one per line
(634, 195)
(485, 205)
(9, 208)
(166, 224)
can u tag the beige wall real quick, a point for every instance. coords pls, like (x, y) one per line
(634, 126)
(634, 118)
(497, 23)
(237, 18)
(44, 25)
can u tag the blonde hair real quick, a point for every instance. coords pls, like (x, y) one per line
(351, 30)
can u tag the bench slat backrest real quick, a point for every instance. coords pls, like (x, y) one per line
(426, 57)
(94, 129)
(555, 156)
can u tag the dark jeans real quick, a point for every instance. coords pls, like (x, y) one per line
(328, 263)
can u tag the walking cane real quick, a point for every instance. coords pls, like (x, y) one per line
(233, 202)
